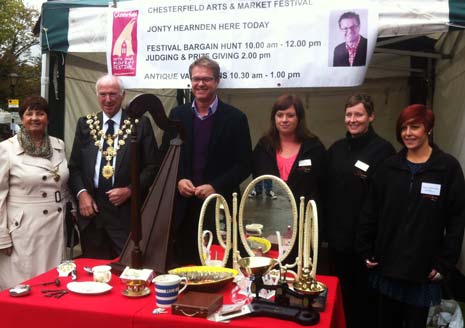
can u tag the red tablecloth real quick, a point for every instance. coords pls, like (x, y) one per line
(114, 310)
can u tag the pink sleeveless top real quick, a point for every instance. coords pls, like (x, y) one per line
(285, 165)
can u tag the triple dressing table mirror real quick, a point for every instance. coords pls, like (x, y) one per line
(259, 226)
(266, 228)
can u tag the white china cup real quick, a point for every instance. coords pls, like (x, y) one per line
(167, 289)
(102, 273)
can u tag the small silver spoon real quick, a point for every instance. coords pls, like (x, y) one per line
(88, 270)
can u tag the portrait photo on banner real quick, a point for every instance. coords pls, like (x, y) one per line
(348, 37)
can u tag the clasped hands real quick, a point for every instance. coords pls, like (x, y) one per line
(117, 196)
(187, 189)
(434, 275)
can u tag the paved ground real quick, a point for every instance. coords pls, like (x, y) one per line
(273, 214)
(276, 215)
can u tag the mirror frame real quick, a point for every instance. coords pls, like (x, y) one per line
(226, 246)
(294, 213)
(311, 216)
(308, 239)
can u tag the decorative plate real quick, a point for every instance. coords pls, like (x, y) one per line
(205, 278)
(258, 242)
(88, 287)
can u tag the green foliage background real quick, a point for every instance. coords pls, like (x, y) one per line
(16, 41)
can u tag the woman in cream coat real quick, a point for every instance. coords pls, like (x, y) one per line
(33, 195)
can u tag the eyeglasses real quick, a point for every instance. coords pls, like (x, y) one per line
(202, 79)
(352, 28)
(112, 95)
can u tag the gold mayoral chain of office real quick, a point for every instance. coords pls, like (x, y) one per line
(100, 137)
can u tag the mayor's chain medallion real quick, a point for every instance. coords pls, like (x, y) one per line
(99, 137)
(107, 171)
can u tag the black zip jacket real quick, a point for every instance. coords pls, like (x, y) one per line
(347, 187)
(413, 223)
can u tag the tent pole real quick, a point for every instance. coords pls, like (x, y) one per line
(430, 83)
(44, 78)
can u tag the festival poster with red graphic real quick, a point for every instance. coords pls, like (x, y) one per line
(124, 43)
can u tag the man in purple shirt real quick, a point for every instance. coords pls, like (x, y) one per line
(215, 157)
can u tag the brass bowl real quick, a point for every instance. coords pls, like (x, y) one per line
(256, 265)
(311, 287)
(205, 278)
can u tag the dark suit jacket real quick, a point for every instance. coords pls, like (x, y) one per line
(229, 150)
(341, 55)
(84, 155)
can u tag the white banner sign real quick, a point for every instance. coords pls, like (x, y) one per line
(258, 44)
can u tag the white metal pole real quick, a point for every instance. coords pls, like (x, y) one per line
(44, 78)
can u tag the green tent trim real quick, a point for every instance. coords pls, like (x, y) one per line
(457, 14)
(54, 22)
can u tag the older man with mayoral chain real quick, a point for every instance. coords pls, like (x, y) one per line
(100, 175)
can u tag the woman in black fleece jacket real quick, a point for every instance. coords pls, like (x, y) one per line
(412, 224)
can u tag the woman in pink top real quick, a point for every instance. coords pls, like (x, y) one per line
(290, 151)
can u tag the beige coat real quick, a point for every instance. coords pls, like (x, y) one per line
(32, 208)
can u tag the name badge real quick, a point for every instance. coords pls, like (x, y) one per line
(362, 166)
(432, 189)
(305, 162)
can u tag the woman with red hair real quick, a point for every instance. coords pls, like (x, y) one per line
(412, 224)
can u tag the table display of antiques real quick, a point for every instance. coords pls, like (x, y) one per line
(263, 282)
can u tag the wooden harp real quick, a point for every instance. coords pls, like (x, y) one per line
(151, 249)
